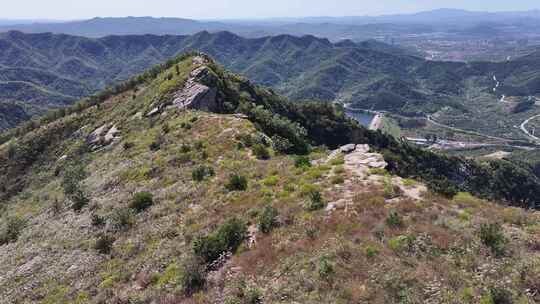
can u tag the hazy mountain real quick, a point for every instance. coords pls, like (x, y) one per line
(334, 28)
(99, 27)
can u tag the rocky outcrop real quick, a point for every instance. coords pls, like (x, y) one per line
(103, 136)
(361, 159)
(359, 162)
(198, 92)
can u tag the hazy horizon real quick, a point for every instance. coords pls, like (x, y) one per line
(57, 10)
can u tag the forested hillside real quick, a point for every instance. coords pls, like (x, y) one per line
(46, 70)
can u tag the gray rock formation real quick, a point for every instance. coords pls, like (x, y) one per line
(103, 136)
(195, 94)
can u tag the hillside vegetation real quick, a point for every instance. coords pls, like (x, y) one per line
(45, 71)
(139, 196)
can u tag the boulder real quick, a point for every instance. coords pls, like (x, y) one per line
(102, 136)
(111, 134)
(347, 148)
(96, 135)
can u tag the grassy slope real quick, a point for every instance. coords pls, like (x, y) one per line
(348, 256)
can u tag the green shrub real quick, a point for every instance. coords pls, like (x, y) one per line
(104, 244)
(74, 174)
(492, 236)
(128, 145)
(260, 152)
(227, 238)
(11, 230)
(185, 125)
(442, 186)
(253, 296)
(122, 218)
(154, 146)
(399, 243)
(498, 295)
(337, 161)
(97, 220)
(236, 183)
(302, 161)
(193, 276)
(199, 145)
(165, 129)
(394, 220)
(371, 252)
(377, 171)
(141, 201)
(185, 148)
(271, 181)
(315, 201)
(336, 179)
(267, 219)
(281, 144)
(325, 268)
(79, 200)
(201, 172)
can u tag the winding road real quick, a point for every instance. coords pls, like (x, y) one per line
(524, 129)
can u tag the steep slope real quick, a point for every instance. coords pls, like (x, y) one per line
(142, 195)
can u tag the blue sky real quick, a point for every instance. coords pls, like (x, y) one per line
(205, 9)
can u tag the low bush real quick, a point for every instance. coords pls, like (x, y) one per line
(11, 230)
(325, 268)
(371, 252)
(394, 220)
(199, 145)
(399, 243)
(302, 161)
(156, 144)
(280, 144)
(500, 295)
(227, 238)
(267, 219)
(337, 180)
(442, 186)
(260, 152)
(253, 296)
(271, 181)
(315, 201)
(236, 183)
(193, 276)
(185, 148)
(128, 145)
(79, 200)
(104, 244)
(201, 172)
(186, 125)
(141, 201)
(97, 220)
(122, 219)
(492, 236)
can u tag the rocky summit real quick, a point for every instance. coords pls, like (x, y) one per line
(189, 184)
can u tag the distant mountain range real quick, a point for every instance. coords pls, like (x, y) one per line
(334, 28)
(42, 71)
